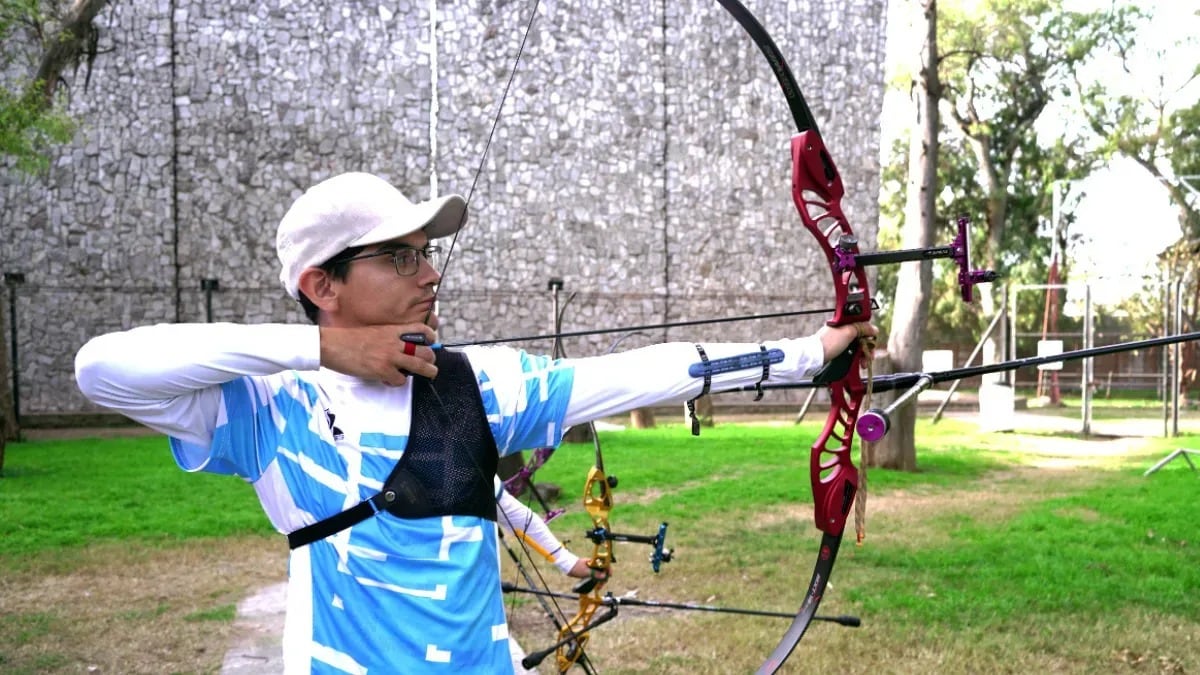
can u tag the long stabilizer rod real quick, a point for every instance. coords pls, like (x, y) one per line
(851, 621)
(909, 380)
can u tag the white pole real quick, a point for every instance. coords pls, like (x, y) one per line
(433, 99)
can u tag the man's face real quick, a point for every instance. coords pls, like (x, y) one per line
(374, 293)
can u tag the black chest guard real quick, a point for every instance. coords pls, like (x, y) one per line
(448, 466)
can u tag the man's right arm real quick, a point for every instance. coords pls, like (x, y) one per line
(168, 376)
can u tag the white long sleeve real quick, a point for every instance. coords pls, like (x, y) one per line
(613, 384)
(167, 376)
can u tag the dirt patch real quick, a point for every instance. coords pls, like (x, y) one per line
(132, 609)
(995, 497)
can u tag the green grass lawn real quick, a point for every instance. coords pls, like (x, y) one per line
(1002, 553)
(58, 495)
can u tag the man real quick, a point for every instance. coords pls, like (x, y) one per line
(360, 416)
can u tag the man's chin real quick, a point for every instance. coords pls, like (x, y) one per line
(420, 316)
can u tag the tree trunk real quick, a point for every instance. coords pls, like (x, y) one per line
(75, 38)
(580, 433)
(914, 279)
(509, 465)
(642, 418)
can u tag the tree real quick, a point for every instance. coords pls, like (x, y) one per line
(31, 121)
(1004, 62)
(1153, 118)
(906, 340)
(996, 67)
(63, 37)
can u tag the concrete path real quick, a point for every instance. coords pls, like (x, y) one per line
(258, 649)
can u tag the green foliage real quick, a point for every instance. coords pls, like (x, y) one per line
(28, 132)
(29, 126)
(1035, 170)
(1183, 140)
(1003, 62)
(15, 14)
(1156, 126)
(1182, 145)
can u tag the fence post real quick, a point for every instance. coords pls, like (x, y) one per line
(209, 286)
(1089, 329)
(12, 280)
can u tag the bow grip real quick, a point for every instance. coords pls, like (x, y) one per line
(836, 369)
(585, 586)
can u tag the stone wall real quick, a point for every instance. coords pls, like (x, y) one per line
(642, 157)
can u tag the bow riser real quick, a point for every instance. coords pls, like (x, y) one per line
(833, 474)
(597, 501)
(817, 191)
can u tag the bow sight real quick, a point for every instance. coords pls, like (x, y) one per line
(846, 260)
(658, 555)
(959, 250)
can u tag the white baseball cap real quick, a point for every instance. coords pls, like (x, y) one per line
(355, 209)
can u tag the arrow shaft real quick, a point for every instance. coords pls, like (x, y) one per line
(652, 326)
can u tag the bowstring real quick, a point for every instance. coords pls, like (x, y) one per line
(454, 242)
(559, 616)
(512, 76)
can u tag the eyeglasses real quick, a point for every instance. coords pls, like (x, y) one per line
(406, 259)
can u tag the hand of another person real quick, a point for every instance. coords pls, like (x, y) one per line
(582, 571)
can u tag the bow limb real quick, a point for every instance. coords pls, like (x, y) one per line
(834, 478)
(573, 634)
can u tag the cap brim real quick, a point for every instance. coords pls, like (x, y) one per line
(439, 217)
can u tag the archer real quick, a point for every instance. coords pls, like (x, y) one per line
(371, 448)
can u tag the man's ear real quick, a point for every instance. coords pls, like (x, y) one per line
(316, 284)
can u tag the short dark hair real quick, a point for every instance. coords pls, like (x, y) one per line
(337, 267)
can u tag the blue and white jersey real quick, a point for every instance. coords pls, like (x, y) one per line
(389, 594)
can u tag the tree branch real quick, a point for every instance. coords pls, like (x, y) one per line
(76, 37)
